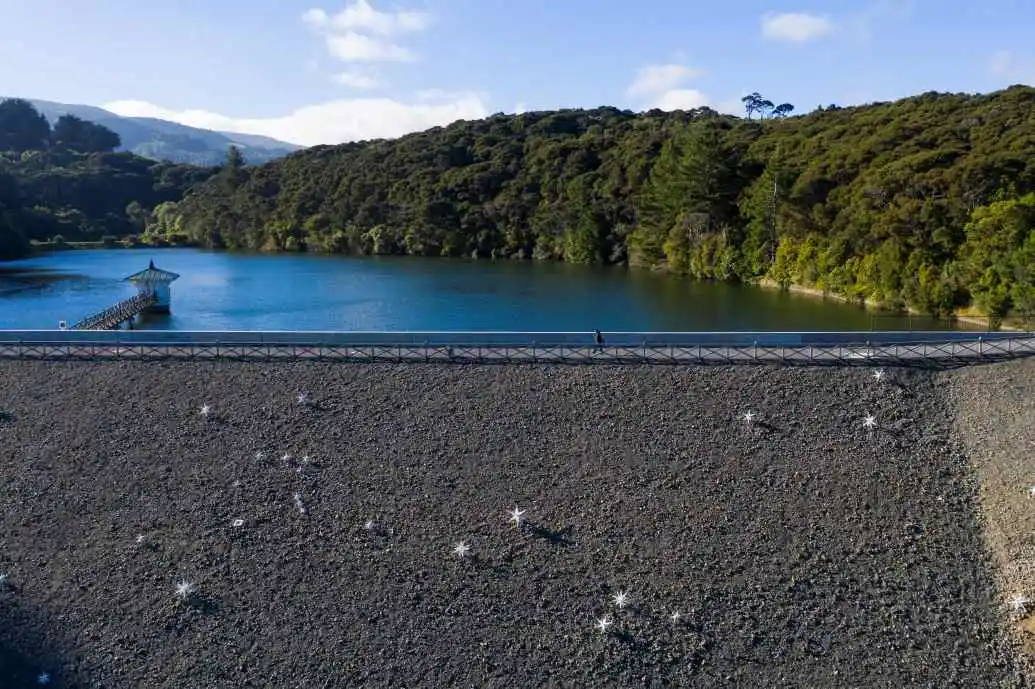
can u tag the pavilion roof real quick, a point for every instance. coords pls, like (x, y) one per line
(152, 274)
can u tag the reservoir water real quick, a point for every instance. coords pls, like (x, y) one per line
(233, 291)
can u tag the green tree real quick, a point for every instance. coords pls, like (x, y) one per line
(83, 196)
(22, 127)
(690, 191)
(13, 242)
(783, 270)
(995, 255)
(232, 173)
(75, 134)
(752, 103)
(1022, 292)
(137, 215)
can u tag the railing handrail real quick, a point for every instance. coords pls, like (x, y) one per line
(502, 339)
(123, 310)
(955, 349)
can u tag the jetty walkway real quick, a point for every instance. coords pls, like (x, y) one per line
(114, 316)
(888, 348)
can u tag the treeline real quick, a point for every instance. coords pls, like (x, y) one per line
(925, 202)
(24, 128)
(65, 183)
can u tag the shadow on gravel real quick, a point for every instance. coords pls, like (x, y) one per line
(904, 389)
(630, 642)
(767, 427)
(561, 538)
(6, 416)
(26, 653)
(888, 431)
(206, 605)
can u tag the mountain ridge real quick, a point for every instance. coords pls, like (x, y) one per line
(169, 141)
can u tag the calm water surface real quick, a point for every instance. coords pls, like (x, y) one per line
(228, 291)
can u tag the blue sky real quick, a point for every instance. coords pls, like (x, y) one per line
(323, 71)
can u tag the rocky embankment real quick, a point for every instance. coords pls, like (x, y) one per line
(994, 408)
(799, 549)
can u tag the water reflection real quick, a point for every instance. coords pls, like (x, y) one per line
(224, 291)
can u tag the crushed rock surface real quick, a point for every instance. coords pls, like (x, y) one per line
(801, 549)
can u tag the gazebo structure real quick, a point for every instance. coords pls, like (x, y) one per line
(154, 281)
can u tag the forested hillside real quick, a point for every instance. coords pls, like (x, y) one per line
(926, 201)
(65, 182)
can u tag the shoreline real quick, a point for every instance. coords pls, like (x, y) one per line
(39, 248)
(980, 323)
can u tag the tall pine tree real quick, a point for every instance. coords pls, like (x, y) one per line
(693, 175)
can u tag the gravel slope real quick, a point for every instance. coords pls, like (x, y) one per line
(995, 411)
(801, 549)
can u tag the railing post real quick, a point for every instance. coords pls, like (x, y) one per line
(981, 347)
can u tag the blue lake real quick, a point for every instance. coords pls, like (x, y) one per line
(232, 291)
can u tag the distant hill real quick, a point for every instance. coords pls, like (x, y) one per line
(164, 140)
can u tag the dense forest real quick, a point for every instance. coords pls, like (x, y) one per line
(926, 203)
(65, 183)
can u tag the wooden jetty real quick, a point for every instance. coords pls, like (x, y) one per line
(152, 296)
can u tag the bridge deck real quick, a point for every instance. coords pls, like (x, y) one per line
(916, 349)
(112, 317)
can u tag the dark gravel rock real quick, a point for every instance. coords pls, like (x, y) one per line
(802, 549)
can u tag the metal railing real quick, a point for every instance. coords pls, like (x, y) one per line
(117, 314)
(888, 348)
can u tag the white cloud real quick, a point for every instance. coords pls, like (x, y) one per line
(334, 122)
(439, 94)
(316, 17)
(360, 33)
(655, 79)
(681, 99)
(361, 16)
(796, 27)
(358, 80)
(357, 35)
(664, 87)
(354, 47)
(520, 109)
